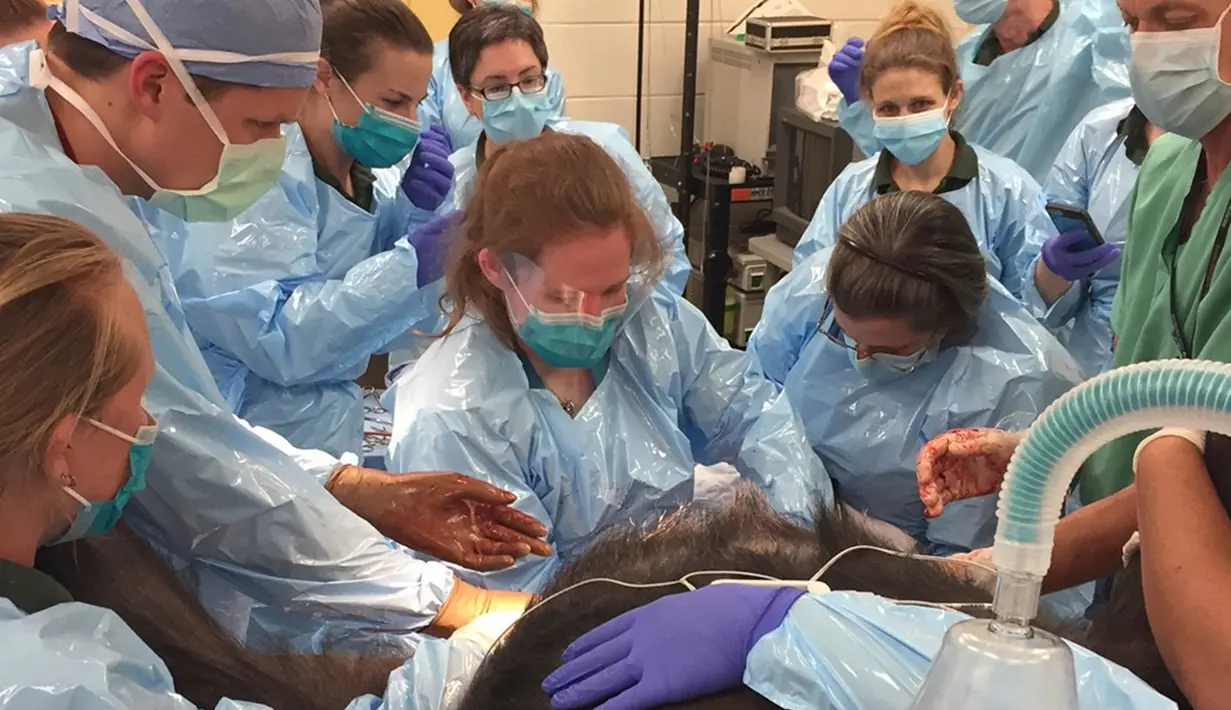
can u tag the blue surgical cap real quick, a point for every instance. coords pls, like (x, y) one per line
(270, 43)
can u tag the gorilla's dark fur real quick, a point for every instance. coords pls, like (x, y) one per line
(120, 572)
(748, 536)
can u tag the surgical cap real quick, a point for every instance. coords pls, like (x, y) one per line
(270, 43)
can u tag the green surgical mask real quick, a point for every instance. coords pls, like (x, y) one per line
(245, 172)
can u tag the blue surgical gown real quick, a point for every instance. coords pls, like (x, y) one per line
(1095, 173)
(852, 650)
(869, 431)
(288, 301)
(674, 395)
(444, 106)
(646, 190)
(241, 507)
(1003, 205)
(77, 656)
(1026, 102)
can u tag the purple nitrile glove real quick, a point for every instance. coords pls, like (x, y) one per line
(1070, 265)
(677, 648)
(430, 175)
(844, 69)
(431, 243)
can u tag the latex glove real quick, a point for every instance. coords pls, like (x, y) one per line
(430, 175)
(844, 69)
(961, 464)
(431, 243)
(1076, 265)
(449, 516)
(677, 648)
(467, 603)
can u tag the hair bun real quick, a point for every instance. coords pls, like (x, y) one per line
(912, 15)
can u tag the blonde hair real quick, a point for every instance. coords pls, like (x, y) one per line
(911, 36)
(533, 194)
(63, 352)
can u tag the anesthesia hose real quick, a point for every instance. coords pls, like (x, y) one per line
(1006, 661)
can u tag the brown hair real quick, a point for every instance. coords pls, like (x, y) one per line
(910, 255)
(63, 353)
(91, 60)
(911, 36)
(18, 14)
(533, 194)
(352, 29)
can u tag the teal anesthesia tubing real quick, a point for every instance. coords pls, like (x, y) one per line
(1175, 393)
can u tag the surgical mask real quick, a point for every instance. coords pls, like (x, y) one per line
(569, 336)
(99, 517)
(570, 340)
(887, 365)
(245, 172)
(528, 9)
(980, 12)
(914, 137)
(1175, 79)
(381, 139)
(517, 117)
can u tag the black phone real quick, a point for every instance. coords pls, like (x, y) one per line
(1068, 218)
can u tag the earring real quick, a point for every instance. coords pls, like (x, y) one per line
(68, 480)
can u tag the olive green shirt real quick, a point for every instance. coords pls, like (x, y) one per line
(965, 168)
(28, 589)
(1142, 315)
(361, 179)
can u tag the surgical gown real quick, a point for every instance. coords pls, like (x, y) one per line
(1003, 205)
(674, 395)
(241, 507)
(444, 105)
(77, 656)
(1024, 104)
(646, 190)
(1095, 171)
(851, 651)
(288, 301)
(868, 430)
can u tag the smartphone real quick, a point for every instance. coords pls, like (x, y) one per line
(1067, 218)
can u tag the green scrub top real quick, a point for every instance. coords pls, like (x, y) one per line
(1142, 315)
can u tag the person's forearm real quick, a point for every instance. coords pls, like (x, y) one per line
(1186, 568)
(1050, 286)
(1090, 541)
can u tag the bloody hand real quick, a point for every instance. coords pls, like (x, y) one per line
(449, 516)
(961, 464)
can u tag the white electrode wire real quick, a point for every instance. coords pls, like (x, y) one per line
(908, 555)
(683, 581)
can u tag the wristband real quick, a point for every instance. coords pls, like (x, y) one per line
(1197, 438)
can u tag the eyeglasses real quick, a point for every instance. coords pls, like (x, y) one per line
(533, 84)
(829, 328)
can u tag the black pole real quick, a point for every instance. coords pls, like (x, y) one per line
(640, 67)
(692, 28)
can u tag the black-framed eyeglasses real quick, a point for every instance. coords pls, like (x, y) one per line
(532, 84)
(829, 327)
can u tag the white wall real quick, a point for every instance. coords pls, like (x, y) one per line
(593, 43)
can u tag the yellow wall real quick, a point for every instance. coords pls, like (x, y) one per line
(436, 15)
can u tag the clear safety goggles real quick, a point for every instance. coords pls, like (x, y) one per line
(831, 330)
(530, 291)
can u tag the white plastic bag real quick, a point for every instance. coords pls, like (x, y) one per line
(815, 93)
